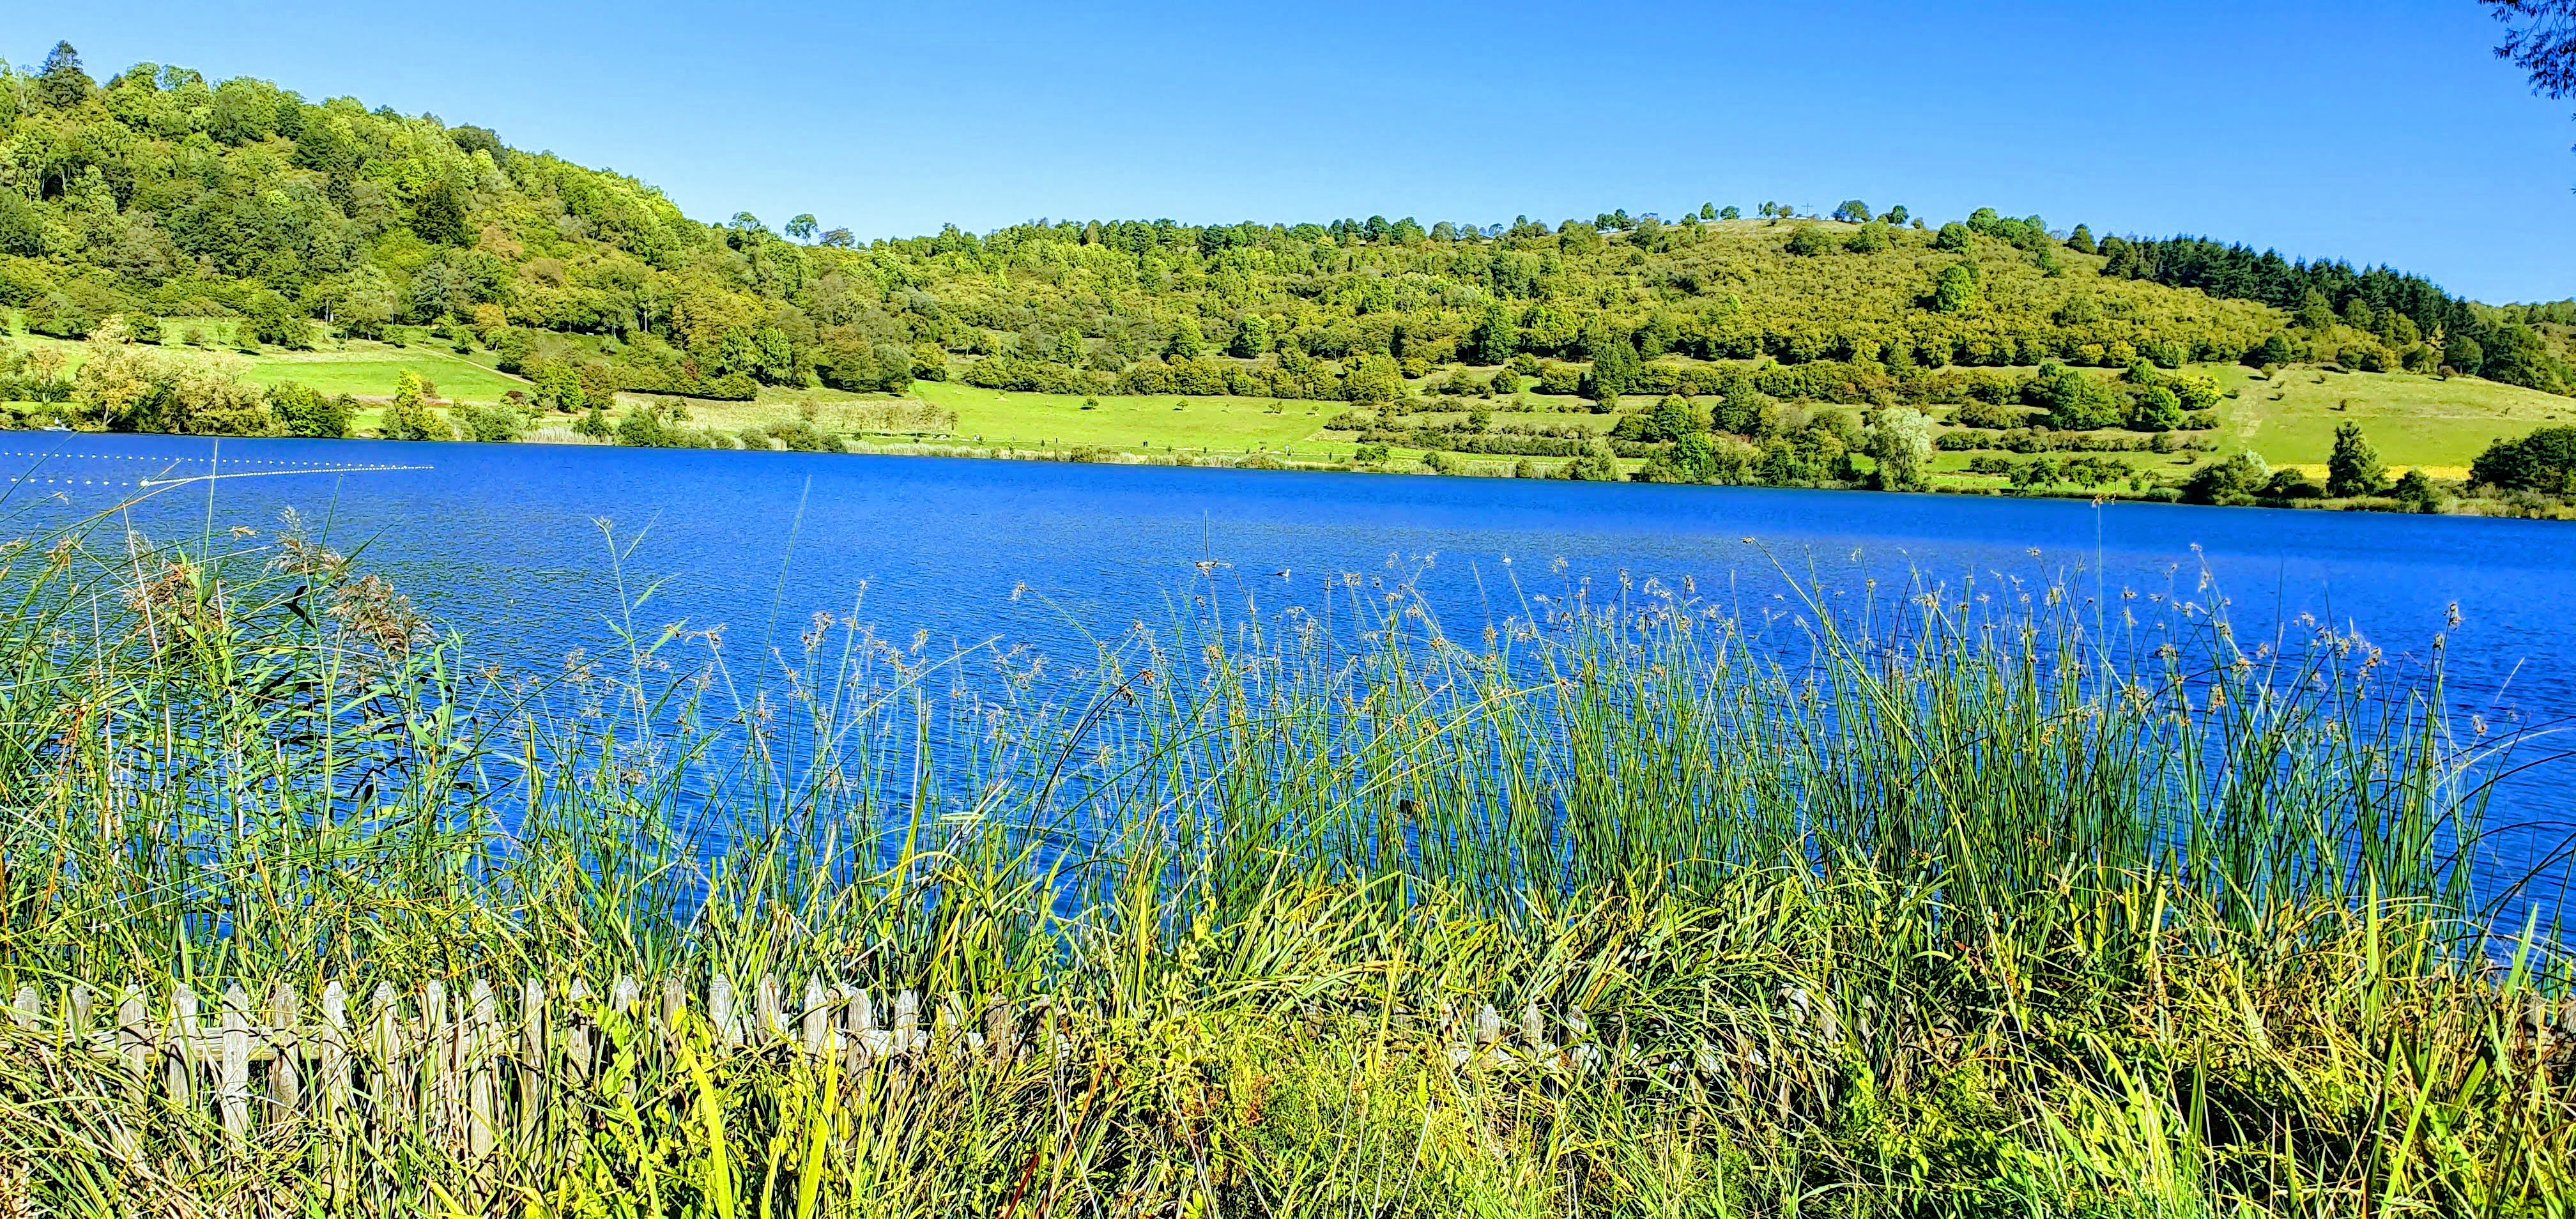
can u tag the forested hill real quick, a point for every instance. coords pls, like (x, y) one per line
(161, 194)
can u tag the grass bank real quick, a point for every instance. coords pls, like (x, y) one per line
(1970, 900)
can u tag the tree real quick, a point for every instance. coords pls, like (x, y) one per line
(2155, 408)
(2315, 313)
(1730, 212)
(839, 239)
(2416, 488)
(1902, 446)
(1808, 240)
(1494, 339)
(303, 411)
(1595, 464)
(2074, 402)
(1852, 211)
(1614, 365)
(1952, 237)
(802, 227)
(2540, 39)
(438, 214)
(1871, 239)
(1251, 338)
(2354, 468)
(2235, 479)
(1956, 291)
(1670, 420)
(61, 84)
(2545, 460)
(409, 416)
(2081, 241)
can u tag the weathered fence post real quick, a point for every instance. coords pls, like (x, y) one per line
(390, 1083)
(438, 1063)
(1001, 1030)
(720, 1012)
(577, 1033)
(817, 1017)
(479, 1091)
(232, 1087)
(532, 1055)
(286, 1044)
(334, 1066)
(82, 999)
(183, 1063)
(773, 1020)
(860, 1016)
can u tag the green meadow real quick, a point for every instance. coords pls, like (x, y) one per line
(2415, 420)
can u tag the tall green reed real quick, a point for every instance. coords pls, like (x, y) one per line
(2073, 888)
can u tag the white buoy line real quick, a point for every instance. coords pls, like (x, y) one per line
(29, 479)
(314, 466)
(199, 478)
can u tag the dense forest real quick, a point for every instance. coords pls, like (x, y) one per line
(160, 195)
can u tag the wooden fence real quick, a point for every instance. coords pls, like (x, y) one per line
(469, 1067)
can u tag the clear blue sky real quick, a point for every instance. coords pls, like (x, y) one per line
(2364, 129)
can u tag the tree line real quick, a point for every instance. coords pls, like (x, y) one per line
(160, 194)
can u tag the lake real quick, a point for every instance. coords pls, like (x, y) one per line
(506, 543)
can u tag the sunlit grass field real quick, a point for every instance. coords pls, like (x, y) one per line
(2438, 423)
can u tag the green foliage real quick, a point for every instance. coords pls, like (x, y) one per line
(2354, 467)
(1808, 240)
(1900, 441)
(409, 416)
(662, 424)
(2074, 401)
(2235, 479)
(302, 411)
(164, 194)
(498, 422)
(2415, 489)
(1957, 290)
(2544, 461)
(2154, 408)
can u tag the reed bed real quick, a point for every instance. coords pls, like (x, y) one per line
(1963, 900)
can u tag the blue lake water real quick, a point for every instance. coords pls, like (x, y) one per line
(504, 542)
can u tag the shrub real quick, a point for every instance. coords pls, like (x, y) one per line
(2543, 461)
(2074, 401)
(2233, 480)
(304, 411)
(409, 416)
(2154, 408)
(492, 424)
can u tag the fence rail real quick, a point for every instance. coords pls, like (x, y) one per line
(472, 1065)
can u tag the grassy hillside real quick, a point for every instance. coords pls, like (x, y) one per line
(2436, 422)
